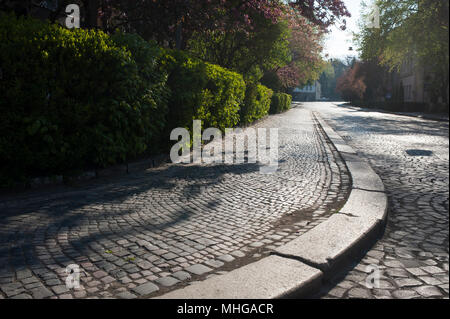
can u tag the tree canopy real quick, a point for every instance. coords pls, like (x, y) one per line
(162, 19)
(277, 39)
(410, 29)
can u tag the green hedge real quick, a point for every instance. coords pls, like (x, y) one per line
(153, 92)
(202, 91)
(69, 99)
(256, 104)
(76, 99)
(281, 102)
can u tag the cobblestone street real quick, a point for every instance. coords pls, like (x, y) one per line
(152, 231)
(224, 158)
(411, 156)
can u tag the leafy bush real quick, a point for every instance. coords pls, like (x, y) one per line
(256, 104)
(71, 99)
(153, 93)
(281, 102)
(202, 91)
(272, 81)
(351, 84)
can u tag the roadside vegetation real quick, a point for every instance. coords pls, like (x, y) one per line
(410, 42)
(112, 90)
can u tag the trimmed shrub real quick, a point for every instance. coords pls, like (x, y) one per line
(256, 104)
(281, 102)
(152, 91)
(70, 99)
(272, 81)
(77, 99)
(202, 91)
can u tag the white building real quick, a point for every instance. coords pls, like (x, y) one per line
(307, 93)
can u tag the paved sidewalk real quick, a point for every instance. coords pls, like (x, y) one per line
(149, 232)
(411, 156)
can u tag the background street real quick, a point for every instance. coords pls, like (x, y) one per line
(411, 156)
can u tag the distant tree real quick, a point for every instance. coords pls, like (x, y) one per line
(411, 28)
(351, 85)
(374, 79)
(305, 43)
(328, 80)
(333, 70)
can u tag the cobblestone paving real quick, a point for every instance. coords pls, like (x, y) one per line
(411, 156)
(138, 235)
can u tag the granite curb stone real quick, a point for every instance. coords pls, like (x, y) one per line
(299, 268)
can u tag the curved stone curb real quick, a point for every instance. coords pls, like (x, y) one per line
(269, 278)
(329, 245)
(299, 268)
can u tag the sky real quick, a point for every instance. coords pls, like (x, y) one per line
(338, 42)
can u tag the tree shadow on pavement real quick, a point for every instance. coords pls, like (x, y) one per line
(30, 223)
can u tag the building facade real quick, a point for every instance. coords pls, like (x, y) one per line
(412, 78)
(307, 93)
(418, 84)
